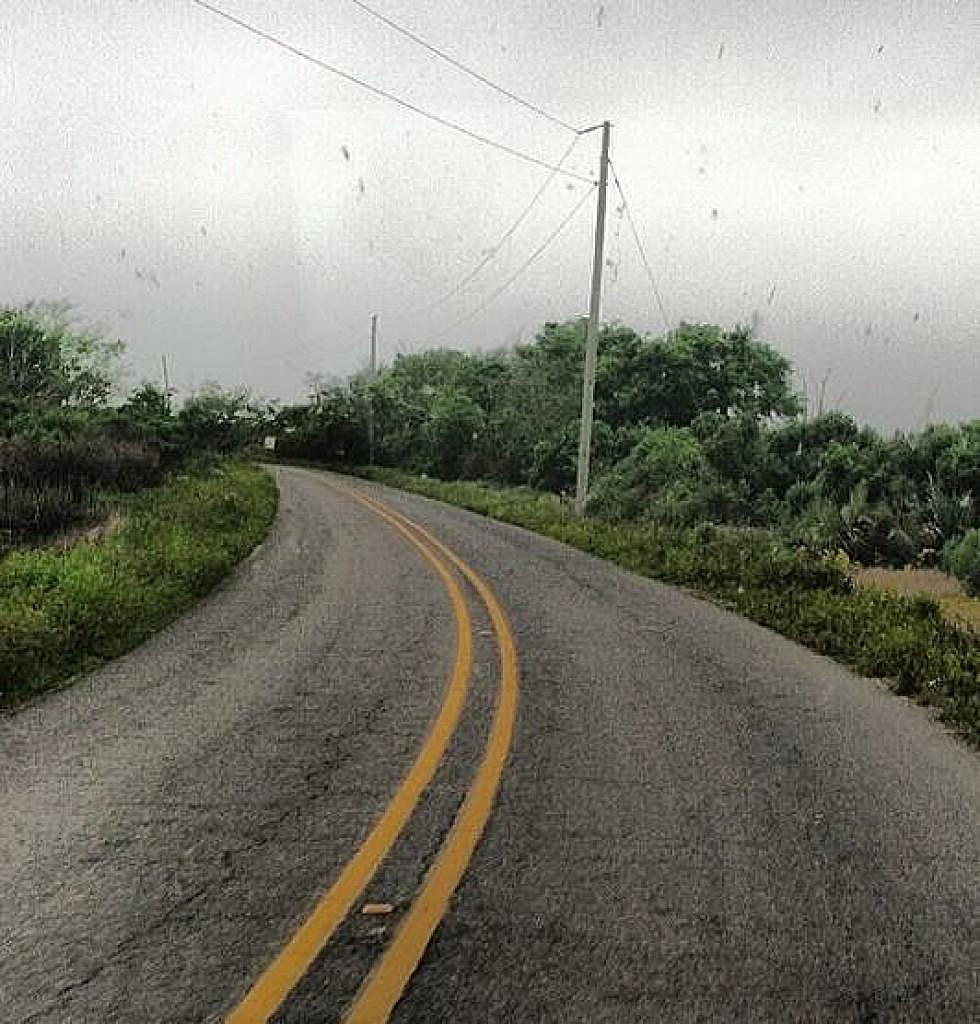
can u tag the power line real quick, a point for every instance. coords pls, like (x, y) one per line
(641, 250)
(491, 253)
(445, 122)
(462, 67)
(517, 273)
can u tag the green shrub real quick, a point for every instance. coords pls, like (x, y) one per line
(962, 559)
(662, 466)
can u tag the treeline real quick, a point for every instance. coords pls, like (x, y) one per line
(64, 442)
(700, 426)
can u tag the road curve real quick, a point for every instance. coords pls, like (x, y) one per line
(699, 821)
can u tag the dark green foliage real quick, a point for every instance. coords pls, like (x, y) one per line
(56, 381)
(333, 429)
(65, 611)
(806, 597)
(962, 559)
(513, 416)
(697, 369)
(700, 426)
(147, 418)
(656, 480)
(453, 428)
(63, 445)
(68, 457)
(219, 420)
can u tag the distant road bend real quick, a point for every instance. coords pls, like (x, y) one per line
(410, 764)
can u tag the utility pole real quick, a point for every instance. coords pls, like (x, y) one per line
(373, 369)
(166, 379)
(591, 335)
(374, 344)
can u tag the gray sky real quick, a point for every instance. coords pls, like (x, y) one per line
(202, 193)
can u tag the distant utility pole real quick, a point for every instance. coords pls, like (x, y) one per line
(373, 369)
(374, 344)
(166, 378)
(592, 334)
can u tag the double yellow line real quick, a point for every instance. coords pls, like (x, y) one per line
(386, 982)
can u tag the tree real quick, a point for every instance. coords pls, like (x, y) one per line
(451, 435)
(221, 420)
(794, 449)
(46, 365)
(958, 467)
(697, 369)
(536, 413)
(147, 417)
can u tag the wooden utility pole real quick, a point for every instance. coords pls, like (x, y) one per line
(374, 344)
(592, 334)
(166, 379)
(372, 372)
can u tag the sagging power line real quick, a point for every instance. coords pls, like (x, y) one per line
(520, 270)
(377, 91)
(463, 67)
(642, 251)
(495, 249)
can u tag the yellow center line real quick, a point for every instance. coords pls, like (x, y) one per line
(384, 986)
(282, 975)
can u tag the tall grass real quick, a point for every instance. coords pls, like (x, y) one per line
(50, 486)
(65, 611)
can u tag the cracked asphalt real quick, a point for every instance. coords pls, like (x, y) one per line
(699, 821)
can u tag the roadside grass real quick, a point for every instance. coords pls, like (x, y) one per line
(953, 599)
(962, 610)
(67, 611)
(904, 640)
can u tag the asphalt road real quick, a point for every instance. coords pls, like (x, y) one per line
(698, 820)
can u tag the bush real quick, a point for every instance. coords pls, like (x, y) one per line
(962, 559)
(663, 460)
(220, 421)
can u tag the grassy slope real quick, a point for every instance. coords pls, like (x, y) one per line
(902, 639)
(62, 612)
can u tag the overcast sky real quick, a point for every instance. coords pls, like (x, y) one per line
(813, 168)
